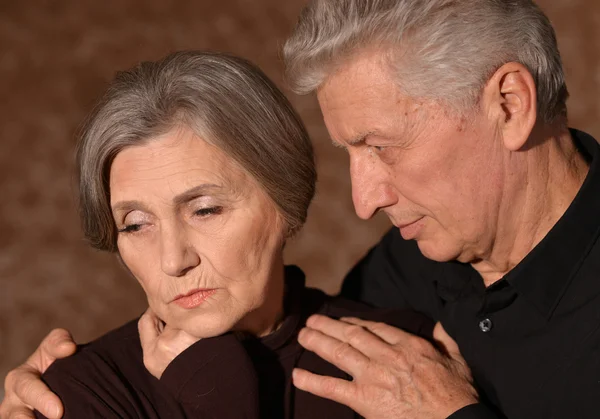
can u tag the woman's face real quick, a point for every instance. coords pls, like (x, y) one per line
(204, 241)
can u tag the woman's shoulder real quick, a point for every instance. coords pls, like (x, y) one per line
(107, 378)
(113, 350)
(409, 320)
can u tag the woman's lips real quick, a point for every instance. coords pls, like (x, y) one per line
(193, 298)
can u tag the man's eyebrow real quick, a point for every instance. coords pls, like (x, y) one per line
(182, 198)
(354, 141)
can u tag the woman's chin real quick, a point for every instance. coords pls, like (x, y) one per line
(205, 326)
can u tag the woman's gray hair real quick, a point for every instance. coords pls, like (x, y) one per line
(444, 50)
(225, 100)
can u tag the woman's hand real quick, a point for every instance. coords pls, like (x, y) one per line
(160, 343)
(24, 389)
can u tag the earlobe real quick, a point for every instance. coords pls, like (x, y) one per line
(516, 100)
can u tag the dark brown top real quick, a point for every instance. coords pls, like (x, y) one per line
(223, 377)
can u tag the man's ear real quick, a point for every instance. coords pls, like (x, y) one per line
(510, 96)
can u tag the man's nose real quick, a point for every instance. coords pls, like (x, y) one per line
(178, 256)
(370, 189)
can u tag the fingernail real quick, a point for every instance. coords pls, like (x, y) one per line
(53, 409)
(295, 375)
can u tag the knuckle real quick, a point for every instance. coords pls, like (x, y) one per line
(379, 327)
(354, 334)
(328, 387)
(55, 336)
(388, 380)
(419, 346)
(23, 388)
(11, 378)
(398, 358)
(341, 351)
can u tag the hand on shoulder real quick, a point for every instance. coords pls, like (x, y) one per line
(24, 389)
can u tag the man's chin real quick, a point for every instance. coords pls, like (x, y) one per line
(438, 251)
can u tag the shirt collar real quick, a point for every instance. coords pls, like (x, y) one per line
(546, 272)
(295, 310)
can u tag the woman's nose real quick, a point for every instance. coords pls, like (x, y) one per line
(178, 255)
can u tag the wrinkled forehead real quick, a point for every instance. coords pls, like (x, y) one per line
(175, 161)
(362, 97)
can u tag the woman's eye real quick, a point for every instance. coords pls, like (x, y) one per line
(131, 228)
(378, 148)
(204, 212)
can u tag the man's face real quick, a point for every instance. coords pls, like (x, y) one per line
(437, 176)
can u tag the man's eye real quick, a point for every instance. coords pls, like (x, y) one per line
(204, 212)
(377, 148)
(131, 228)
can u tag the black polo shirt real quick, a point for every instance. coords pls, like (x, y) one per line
(532, 339)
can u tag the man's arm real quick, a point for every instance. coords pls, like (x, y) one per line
(25, 390)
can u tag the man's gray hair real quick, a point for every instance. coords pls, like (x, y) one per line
(226, 101)
(444, 50)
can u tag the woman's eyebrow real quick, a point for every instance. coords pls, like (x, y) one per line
(128, 206)
(195, 192)
(182, 198)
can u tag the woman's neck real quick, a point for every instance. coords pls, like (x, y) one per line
(267, 318)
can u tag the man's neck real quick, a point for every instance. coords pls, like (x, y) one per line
(540, 184)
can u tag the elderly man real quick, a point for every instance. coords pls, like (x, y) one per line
(454, 118)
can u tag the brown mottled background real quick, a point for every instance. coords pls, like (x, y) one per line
(56, 58)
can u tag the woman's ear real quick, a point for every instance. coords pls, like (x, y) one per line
(510, 96)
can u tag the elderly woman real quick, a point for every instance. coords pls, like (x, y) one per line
(195, 170)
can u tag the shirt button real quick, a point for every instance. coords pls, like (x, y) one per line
(485, 325)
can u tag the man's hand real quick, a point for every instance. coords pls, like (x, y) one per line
(24, 389)
(160, 343)
(395, 374)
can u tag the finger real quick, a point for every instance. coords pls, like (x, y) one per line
(32, 391)
(355, 334)
(387, 333)
(147, 328)
(336, 389)
(183, 338)
(56, 345)
(445, 341)
(341, 354)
